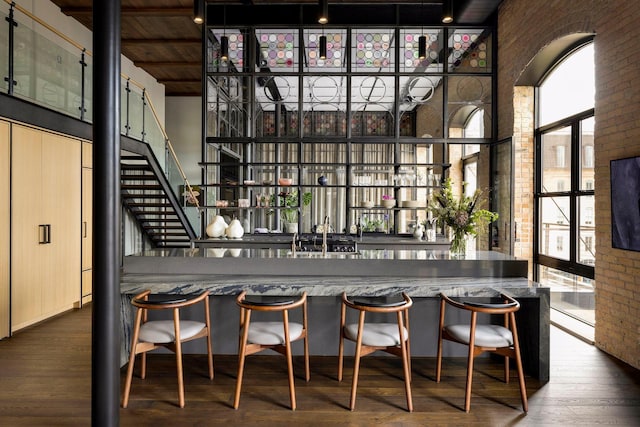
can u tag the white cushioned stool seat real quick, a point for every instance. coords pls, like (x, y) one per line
(486, 335)
(163, 331)
(376, 334)
(272, 333)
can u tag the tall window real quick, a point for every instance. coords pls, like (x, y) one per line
(565, 238)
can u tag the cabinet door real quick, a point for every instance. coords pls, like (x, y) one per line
(27, 251)
(5, 199)
(61, 186)
(87, 233)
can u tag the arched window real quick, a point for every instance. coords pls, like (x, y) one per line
(565, 240)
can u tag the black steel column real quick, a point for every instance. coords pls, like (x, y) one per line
(105, 369)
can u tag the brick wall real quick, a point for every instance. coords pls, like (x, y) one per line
(526, 27)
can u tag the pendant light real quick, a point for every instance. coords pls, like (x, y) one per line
(422, 47)
(198, 11)
(447, 11)
(323, 17)
(224, 48)
(323, 47)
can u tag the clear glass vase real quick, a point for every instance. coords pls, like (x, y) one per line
(458, 242)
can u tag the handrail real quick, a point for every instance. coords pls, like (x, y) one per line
(47, 26)
(79, 46)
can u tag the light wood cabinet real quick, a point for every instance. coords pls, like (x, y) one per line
(46, 225)
(87, 223)
(5, 197)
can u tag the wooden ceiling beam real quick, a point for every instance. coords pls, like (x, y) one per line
(181, 42)
(181, 81)
(130, 11)
(167, 64)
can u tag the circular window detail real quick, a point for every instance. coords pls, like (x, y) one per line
(324, 89)
(420, 90)
(470, 89)
(281, 84)
(373, 89)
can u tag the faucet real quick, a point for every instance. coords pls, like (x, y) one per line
(293, 244)
(325, 228)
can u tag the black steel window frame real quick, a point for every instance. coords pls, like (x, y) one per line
(574, 193)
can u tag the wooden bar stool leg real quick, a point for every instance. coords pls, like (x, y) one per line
(516, 348)
(343, 310)
(307, 371)
(287, 343)
(340, 356)
(176, 320)
(132, 359)
(356, 366)
(405, 363)
(209, 344)
(408, 343)
(439, 354)
(467, 394)
(241, 356)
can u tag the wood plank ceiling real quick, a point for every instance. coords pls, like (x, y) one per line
(160, 36)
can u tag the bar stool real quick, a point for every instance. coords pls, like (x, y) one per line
(170, 334)
(277, 335)
(502, 340)
(377, 336)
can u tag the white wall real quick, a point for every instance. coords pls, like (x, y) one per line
(51, 14)
(184, 126)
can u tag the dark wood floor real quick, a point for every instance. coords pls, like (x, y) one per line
(45, 381)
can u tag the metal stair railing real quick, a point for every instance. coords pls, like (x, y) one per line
(153, 136)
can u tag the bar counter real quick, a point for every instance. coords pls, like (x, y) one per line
(421, 273)
(366, 262)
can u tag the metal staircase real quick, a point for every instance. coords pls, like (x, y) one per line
(147, 194)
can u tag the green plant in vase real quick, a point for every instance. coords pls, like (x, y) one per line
(288, 202)
(372, 225)
(461, 214)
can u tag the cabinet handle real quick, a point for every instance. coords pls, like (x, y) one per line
(42, 234)
(84, 229)
(48, 233)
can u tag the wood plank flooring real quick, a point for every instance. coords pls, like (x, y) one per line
(45, 381)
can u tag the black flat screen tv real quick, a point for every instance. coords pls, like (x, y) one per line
(625, 203)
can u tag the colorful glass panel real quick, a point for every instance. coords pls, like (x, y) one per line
(278, 49)
(335, 59)
(235, 54)
(373, 49)
(470, 50)
(409, 55)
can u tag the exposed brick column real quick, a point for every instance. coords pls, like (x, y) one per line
(522, 227)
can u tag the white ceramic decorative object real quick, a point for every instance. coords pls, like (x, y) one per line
(216, 252)
(235, 252)
(217, 227)
(235, 230)
(388, 203)
(417, 232)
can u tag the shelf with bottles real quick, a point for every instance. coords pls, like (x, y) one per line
(379, 176)
(375, 222)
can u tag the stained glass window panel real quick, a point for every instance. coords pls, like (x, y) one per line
(278, 50)
(236, 51)
(336, 45)
(373, 50)
(470, 50)
(409, 58)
